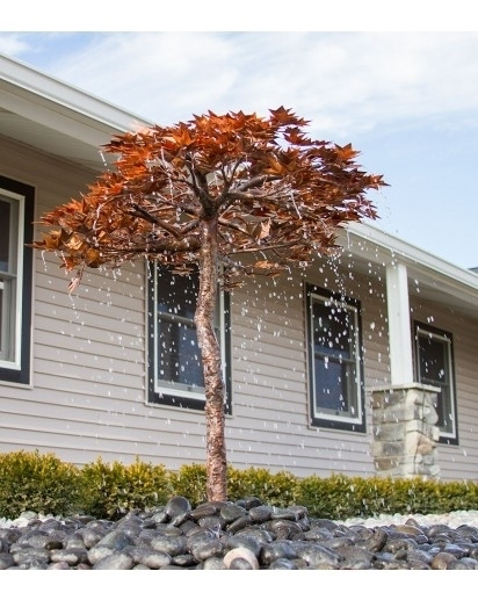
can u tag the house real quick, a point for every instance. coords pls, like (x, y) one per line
(363, 364)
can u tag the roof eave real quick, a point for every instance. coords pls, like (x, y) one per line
(381, 248)
(36, 85)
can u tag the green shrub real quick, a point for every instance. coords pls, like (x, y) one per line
(454, 495)
(112, 490)
(341, 497)
(331, 497)
(276, 489)
(41, 483)
(415, 495)
(190, 482)
(461, 496)
(380, 498)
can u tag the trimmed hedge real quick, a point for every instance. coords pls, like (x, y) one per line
(41, 483)
(342, 497)
(112, 490)
(276, 489)
(190, 482)
(44, 484)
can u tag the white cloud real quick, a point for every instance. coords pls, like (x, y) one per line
(12, 44)
(152, 74)
(344, 83)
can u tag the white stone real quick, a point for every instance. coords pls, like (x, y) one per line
(241, 553)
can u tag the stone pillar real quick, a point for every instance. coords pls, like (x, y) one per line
(404, 431)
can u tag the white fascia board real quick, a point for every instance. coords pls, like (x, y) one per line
(380, 247)
(50, 102)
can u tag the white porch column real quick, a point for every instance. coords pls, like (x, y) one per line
(400, 337)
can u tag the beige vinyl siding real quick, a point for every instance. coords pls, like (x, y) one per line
(461, 461)
(270, 403)
(88, 392)
(87, 397)
(88, 350)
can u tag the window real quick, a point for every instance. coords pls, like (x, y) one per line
(16, 229)
(434, 366)
(175, 366)
(335, 364)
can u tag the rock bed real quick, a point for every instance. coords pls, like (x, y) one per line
(243, 535)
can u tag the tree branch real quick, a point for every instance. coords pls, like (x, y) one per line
(189, 244)
(262, 248)
(230, 225)
(149, 217)
(199, 185)
(255, 181)
(227, 182)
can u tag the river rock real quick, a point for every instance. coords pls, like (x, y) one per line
(242, 535)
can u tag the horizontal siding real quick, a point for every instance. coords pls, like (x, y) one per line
(88, 392)
(271, 386)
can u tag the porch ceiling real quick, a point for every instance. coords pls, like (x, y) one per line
(49, 141)
(429, 277)
(57, 118)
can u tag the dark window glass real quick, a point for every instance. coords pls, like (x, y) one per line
(2, 325)
(175, 364)
(179, 359)
(16, 266)
(335, 364)
(433, 358)
(5, 223)
(434, 353)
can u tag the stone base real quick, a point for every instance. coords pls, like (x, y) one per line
(404, 431)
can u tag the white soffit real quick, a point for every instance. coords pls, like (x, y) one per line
(52, 142)
(57, 118)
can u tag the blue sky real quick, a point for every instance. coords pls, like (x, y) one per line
(407, 100)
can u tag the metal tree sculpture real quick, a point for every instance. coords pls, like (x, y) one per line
(231, 195)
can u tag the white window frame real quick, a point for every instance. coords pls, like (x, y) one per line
(446, 339)
(329, 417)
(11, 285)
(177, 394)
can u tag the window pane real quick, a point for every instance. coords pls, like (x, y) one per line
(16, 268)
(443, 404)
(2, 326)
(4, 235)
(175, 362)
(178, 354)
(334, 385)
(435, 369)
(177, 293)
(433, 358)
(335, 376)
(332, 333)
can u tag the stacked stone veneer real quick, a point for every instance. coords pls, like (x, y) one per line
(404, 431)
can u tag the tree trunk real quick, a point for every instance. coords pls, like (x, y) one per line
(211, 359)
